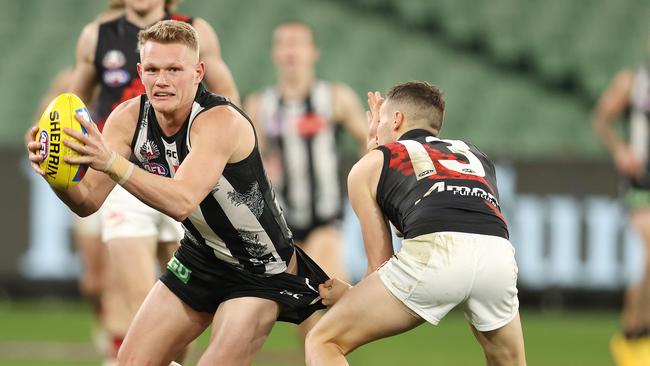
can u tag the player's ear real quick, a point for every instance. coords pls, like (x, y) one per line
(398, 120)
(200, 72)
(139, 68)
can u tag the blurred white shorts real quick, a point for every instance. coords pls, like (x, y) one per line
(434, 273)
(87, 226)
(125, 216)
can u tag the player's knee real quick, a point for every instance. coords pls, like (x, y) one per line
(317, 341)
(505, 356)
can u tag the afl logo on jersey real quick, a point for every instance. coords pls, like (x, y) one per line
(44, 139)
(116, 77)
(155, 168)
(113, 59)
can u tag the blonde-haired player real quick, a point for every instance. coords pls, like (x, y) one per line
(237, 267)
(138, 237)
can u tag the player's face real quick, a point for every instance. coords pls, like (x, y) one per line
(293, 49)
(170, 74)
(144, 6)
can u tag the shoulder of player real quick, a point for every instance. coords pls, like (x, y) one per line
(343, 99)
(367, 165)
(88, 38)
(623, 80)
(223, 119)
(252, 101)
(203, 28)
(341, 92)
(365, 174)
(128, 109)
(123, 119)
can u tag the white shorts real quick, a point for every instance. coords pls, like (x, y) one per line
(125, 216)
(434, 273)
(87, 226)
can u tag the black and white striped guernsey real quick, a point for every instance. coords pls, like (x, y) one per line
(303, 133)
(240, 219)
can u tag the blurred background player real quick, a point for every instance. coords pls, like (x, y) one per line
(138, 238)
(629, 93)
(298, 121)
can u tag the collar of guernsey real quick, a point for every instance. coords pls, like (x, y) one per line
(412, 134)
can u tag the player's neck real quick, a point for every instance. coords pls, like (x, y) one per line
(144, 20)
(171, 122)
(296, 88)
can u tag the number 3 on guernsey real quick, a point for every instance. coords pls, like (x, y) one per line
(473, 167)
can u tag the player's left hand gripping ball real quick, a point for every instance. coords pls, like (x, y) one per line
(57, 116)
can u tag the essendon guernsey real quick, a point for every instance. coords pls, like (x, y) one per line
(432, 185)
(116, 58)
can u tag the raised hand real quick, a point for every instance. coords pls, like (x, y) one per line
(375, 100)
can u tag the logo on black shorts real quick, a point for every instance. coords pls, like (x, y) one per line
(179, 270)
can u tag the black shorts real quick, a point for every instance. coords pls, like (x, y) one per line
(203, 282)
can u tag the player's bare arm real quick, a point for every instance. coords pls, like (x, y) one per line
(218, 77)
(362, 191)
(349, 112)
(218, 137)
(84, 75)
(610, 106)
(252, 105)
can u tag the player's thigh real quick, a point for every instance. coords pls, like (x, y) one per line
(132, 263)
(162, 328)
(640, 219)
(366, 313)
(505, 345)
(239, 329)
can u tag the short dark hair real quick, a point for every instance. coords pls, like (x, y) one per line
(426, 99)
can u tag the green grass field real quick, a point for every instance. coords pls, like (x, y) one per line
(57, 333)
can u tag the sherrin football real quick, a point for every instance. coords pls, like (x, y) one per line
(60, 113)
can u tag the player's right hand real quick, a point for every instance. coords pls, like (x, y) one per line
(33, 147)
(627, 163)
(332, 290)
(375, 101)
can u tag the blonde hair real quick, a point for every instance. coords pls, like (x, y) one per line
(170, 31)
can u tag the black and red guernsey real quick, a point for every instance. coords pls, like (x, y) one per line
(116, 58)
(430, 185)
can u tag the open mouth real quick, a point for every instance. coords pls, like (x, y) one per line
(163, 94)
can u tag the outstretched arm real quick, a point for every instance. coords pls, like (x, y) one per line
(219, 136)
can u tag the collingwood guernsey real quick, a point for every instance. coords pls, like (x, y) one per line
(240, 220)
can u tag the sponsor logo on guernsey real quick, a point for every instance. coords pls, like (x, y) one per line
(155, 168)
(113, 59)
(179, 270)
(464, 191)
(149, 150)
(116, 77)
(292, 294)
